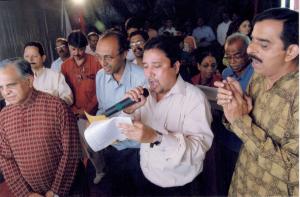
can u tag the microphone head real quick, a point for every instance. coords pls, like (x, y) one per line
(145, 92)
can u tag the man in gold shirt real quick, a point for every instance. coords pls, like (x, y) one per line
(266, 117)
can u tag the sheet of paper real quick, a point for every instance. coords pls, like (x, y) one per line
(101, 134)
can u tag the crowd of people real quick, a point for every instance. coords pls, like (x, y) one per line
(43, 151)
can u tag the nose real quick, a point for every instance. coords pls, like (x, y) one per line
(251, 48)
(148, 72)
(76, 52)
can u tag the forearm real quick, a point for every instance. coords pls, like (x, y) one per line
(264, 147)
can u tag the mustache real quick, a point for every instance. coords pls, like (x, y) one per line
(255, 58)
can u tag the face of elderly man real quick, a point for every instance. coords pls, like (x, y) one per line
(14, 87)
(236, 55)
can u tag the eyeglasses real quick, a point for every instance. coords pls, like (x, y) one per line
(136, 44)
(236, 56)
(106, 58)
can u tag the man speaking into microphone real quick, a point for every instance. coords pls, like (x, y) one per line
(112, 82)
(172, 124)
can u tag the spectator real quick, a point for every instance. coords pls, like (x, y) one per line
(137, 41)
(203, 34)
(62, 49)
(45, 79)
(207, 66)
(93, 38)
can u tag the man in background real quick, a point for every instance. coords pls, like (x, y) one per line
(93, 38)
(62, 49)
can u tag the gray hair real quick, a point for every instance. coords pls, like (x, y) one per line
(238, 36)
(22, 66)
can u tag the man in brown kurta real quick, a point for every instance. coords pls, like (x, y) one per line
(39, 143)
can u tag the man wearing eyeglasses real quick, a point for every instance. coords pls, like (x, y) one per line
(112, 82)
(137, 42)
(239, 68)
(62, 50)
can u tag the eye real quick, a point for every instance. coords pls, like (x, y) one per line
(157, 65)
(264, 45)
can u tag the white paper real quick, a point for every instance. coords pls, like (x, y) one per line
(101, 134)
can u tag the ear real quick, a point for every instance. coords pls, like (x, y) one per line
(198, 66)
(44, 58)
(176, 66)
(30, 81)
(292, 52)
(125, 54)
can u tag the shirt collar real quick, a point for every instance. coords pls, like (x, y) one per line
(125, 76)
(235, 76)
(31, 99)
(39, 72)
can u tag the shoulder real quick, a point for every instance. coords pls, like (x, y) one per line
(67, 64)
(195, 79)
(100, 75)
(134, 68)
(135, 71)
(193, 93)
(226, 72)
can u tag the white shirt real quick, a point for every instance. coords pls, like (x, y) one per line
(56, 65)
(171, 30)
(204, 32)
(130, 55)
(222, 31)
(54, 83)
(183, 116)
(89, 50)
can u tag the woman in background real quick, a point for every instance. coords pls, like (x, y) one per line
(207, 66)
(240, 25)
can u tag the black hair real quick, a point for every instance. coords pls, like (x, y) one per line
(77, 39)
(142, 33)
(200, 55)
(20, 64)
(122, 40)
(166, 44)
(290, 18)
(134, 22)
(235, 25)
(37, 45)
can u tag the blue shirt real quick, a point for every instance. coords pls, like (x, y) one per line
(243, 79)
(229, 139)
(110, 92)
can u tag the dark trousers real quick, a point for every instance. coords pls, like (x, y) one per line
(124, 177)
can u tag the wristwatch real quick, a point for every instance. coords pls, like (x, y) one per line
(157, 140)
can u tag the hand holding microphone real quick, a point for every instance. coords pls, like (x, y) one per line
(138, 95)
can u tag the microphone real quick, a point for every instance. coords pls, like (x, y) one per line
(122, 104)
